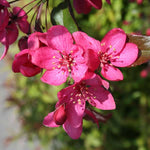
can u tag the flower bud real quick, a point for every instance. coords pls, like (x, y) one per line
(60, 115)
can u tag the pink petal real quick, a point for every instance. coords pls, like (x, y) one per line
(73, 132)
(59, 38)
(20, 13)
(55, 77)
(4, 3)
(20, 58)
(86, 42)
(114, 41)
(96, 80)
(82, 6)
(78, 72)
(127, 56)
(102, 99)
(5, 51)
(37, 40)
(29, 70)
(45, 57)
(75, 112)
(49, 122)
(4, 17)
(12, 33)
(24, 26)
(111, 73)
(96, 3)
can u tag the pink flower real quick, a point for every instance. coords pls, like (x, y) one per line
(9, 33)
(85, 6)
(61, 58)
(70, 109)
(22, 63)
(112, 52)
(19, 16)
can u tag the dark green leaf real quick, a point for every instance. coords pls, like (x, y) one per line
(61, 16)
(143, 43)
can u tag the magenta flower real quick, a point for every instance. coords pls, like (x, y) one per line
(19, 16)
(85, 6)
(61, 58)
(73, 99)
(22, 63)
(112, 52)
(9, 33)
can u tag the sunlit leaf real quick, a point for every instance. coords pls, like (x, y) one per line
(143, 43)
(61, 16)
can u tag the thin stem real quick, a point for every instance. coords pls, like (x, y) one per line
(72, 14)
(13, 1)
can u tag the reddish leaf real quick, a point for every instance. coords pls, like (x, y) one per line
(143, 43)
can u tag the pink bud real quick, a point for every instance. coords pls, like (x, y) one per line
(23, 43)
(60, 115)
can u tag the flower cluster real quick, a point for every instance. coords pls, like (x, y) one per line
(77, 59)
(11, 20)
(76, 56)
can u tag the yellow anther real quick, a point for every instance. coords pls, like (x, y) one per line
(74, 102)
(79, 100)
(79, 103)
(59, 66)
(114, 49)
(53, 68)
(110, 46)
(71, 51)
(54, 56)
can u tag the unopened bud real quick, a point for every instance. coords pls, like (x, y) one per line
(60, 115)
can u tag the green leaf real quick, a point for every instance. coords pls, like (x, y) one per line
(143, 43)
(61, 15)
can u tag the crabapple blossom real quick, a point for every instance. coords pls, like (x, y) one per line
(113, 51)
(70, 109)
(10, 33)
(61, 58)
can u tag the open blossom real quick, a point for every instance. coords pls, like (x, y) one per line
(112, 52)
(84, 6)
(9, 33)
(61, 58)
(19, 16)
(72, 101)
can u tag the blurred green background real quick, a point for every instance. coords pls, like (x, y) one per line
(129, 126)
